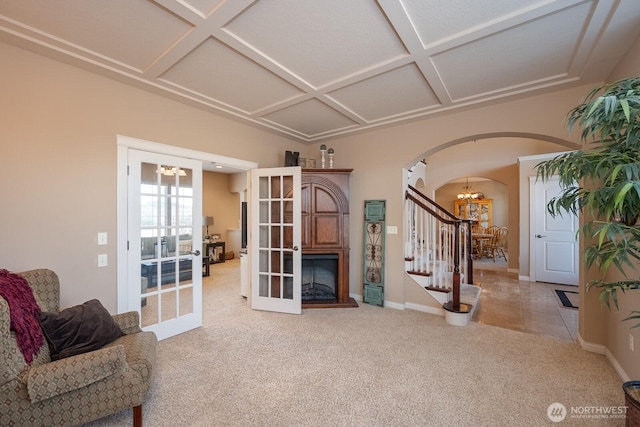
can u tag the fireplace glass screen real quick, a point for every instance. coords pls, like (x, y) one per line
(319, 277)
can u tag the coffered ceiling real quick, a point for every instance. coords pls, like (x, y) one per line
(316, 69)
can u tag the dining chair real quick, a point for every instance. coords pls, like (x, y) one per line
(498, 243)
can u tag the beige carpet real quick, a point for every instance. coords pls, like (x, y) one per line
(366, 366)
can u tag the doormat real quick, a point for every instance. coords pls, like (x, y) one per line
(568, 299)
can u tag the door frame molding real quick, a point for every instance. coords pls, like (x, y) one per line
(124, 144)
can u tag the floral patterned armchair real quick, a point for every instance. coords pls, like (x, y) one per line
(76, 389)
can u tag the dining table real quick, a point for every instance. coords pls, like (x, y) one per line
(479, 240)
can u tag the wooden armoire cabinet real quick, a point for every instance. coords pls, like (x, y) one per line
(478, 211)
(325, 227)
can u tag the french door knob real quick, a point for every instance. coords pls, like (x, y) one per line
(196, 253)
(540, 236)
(295, 248)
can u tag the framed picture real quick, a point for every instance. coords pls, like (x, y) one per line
(311, 163)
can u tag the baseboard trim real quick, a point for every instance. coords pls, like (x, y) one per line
(525, 278)
(601, 349)
(356, 297)
(394, 305)
(425, 309)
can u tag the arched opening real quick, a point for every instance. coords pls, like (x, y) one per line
(492, 162)
(493, 157)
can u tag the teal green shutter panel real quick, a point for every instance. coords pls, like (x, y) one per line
(374, 232)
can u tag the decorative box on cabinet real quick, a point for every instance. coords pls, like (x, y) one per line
(478, 211)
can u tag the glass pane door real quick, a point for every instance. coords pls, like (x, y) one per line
(275, 243)
(168, 264)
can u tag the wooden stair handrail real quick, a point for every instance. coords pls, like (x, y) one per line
(450, 219)
(432, 212)
(449, 214)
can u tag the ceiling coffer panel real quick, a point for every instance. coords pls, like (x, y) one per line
(435, 21)
(390, 94)
(319, 41)
(310, 118)
(132, 32)
(222, 74)
(312, 70)
(518, 56)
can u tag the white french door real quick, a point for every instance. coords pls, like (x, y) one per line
(275, 244)
(164, 234)
(554, 240)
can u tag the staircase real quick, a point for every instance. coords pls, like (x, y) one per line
(438, 256)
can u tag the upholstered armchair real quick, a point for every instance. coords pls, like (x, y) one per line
(76, 389)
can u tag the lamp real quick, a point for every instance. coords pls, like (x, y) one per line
(468, 194)
(207, 221)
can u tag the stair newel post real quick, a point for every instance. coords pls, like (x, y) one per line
(456, 267)
(469, 254)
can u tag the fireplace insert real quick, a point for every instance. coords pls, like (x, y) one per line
(319, 277)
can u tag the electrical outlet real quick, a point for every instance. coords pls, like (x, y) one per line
(631, 343)
(102, 260)
(102, 238)
(392, 229)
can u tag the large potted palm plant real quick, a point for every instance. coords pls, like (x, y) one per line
(602, 182)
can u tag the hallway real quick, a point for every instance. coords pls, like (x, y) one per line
(531, 307)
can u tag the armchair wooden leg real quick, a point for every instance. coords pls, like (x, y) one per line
(137, 416)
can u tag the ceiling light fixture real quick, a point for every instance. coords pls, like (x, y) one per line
(171, 171)
(468, 194)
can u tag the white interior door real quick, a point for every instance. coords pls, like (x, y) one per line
(165, 234)
(554, 240)
(275, 241)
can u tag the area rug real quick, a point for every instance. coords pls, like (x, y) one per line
(568, 299)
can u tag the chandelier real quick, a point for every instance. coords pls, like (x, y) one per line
(468, 194)
(171, 171)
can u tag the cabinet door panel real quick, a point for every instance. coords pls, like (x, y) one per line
(324, 201)
(306, 231)
(327, 231)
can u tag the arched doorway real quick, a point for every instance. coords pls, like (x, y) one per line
(486, 156)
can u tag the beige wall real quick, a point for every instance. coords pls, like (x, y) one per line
(58, 142)
(616, 335)
(59, 157)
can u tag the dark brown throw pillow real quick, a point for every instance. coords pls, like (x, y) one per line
(79, 329)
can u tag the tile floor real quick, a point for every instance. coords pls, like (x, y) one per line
(530, 307)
